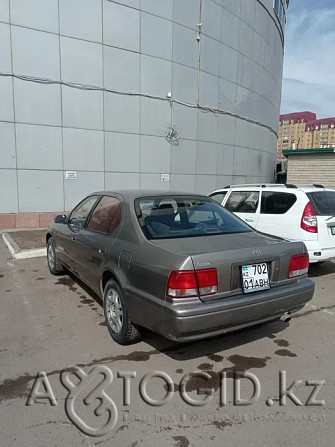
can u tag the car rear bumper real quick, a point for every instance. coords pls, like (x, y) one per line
(325, 253)
(221, 316)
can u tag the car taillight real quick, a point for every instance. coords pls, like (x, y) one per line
(308, 219)
(182, 284)
(190, 283)
(298, 266)
(207, 281)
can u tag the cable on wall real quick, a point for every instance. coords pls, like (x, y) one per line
(199, 30)
(205, 109)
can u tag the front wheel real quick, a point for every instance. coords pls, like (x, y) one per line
(54, 263)
(116, 315)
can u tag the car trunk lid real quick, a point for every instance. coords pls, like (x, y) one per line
(229, 253)
(324, 205)
(326, 231)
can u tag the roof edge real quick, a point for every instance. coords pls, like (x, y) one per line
(321, 150)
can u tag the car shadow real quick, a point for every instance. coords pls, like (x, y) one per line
(321, 269)
(211, 346)
(87, 289)
(183, 351)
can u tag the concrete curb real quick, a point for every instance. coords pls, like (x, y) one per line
(22, 254)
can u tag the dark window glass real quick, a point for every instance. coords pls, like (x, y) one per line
(107, 215)
(185, 216)
(219, 196)
(79, 214)
(323, 202)
(242, 201)
(276, 202)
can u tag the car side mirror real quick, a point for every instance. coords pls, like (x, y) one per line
(61, 218)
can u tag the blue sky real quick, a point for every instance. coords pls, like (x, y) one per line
(309, 62)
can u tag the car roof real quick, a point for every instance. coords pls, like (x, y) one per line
(132, 194)
(275, 187)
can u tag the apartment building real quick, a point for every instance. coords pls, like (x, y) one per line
(292, 129)
(320, 134)
(301, 130)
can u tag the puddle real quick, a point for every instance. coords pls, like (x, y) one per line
(215, 357)
(205, 366)
(66, 281)
(281, 342)
(285, 353)
(182, 441)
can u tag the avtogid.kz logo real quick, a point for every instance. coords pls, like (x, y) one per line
(87, 394)
(106, 404)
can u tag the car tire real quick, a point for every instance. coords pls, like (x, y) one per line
(54, 264)
(116, 315)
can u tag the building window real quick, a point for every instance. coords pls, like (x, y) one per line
(280, 7)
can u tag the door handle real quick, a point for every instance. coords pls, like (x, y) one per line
(101, 251)
(73, 238)
(250, 219)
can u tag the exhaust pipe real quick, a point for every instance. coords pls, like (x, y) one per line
(286, 317)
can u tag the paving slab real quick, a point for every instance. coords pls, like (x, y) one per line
(29, 239)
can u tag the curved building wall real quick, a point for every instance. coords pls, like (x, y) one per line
(162, 94)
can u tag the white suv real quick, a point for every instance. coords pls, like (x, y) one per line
(297, 213)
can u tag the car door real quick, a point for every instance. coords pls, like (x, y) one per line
(245, 204)
(66, 240)
(278, 214)
(97, 237)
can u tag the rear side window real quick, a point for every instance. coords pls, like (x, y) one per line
(185, 216)
(242, 201)
(323, 202)
(79, 214)
(219, 196)
(276, 202)
(106, 217)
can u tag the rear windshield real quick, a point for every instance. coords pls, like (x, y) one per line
(173, 217)
(323, 202)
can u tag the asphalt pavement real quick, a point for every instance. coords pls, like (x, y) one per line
(55, 351)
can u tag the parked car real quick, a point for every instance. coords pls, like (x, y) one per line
(178, 264)
(296, 213)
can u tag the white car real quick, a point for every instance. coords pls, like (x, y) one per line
(296, 213)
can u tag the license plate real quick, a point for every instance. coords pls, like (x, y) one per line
(332, 229)
(255, 277)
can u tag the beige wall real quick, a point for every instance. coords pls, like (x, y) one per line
(310, 169)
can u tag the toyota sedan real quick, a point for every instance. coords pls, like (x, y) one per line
(178, 264)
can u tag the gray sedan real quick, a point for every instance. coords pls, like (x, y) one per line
(178, 264)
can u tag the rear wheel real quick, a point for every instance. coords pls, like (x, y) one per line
(54, 263)
(116, 315)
